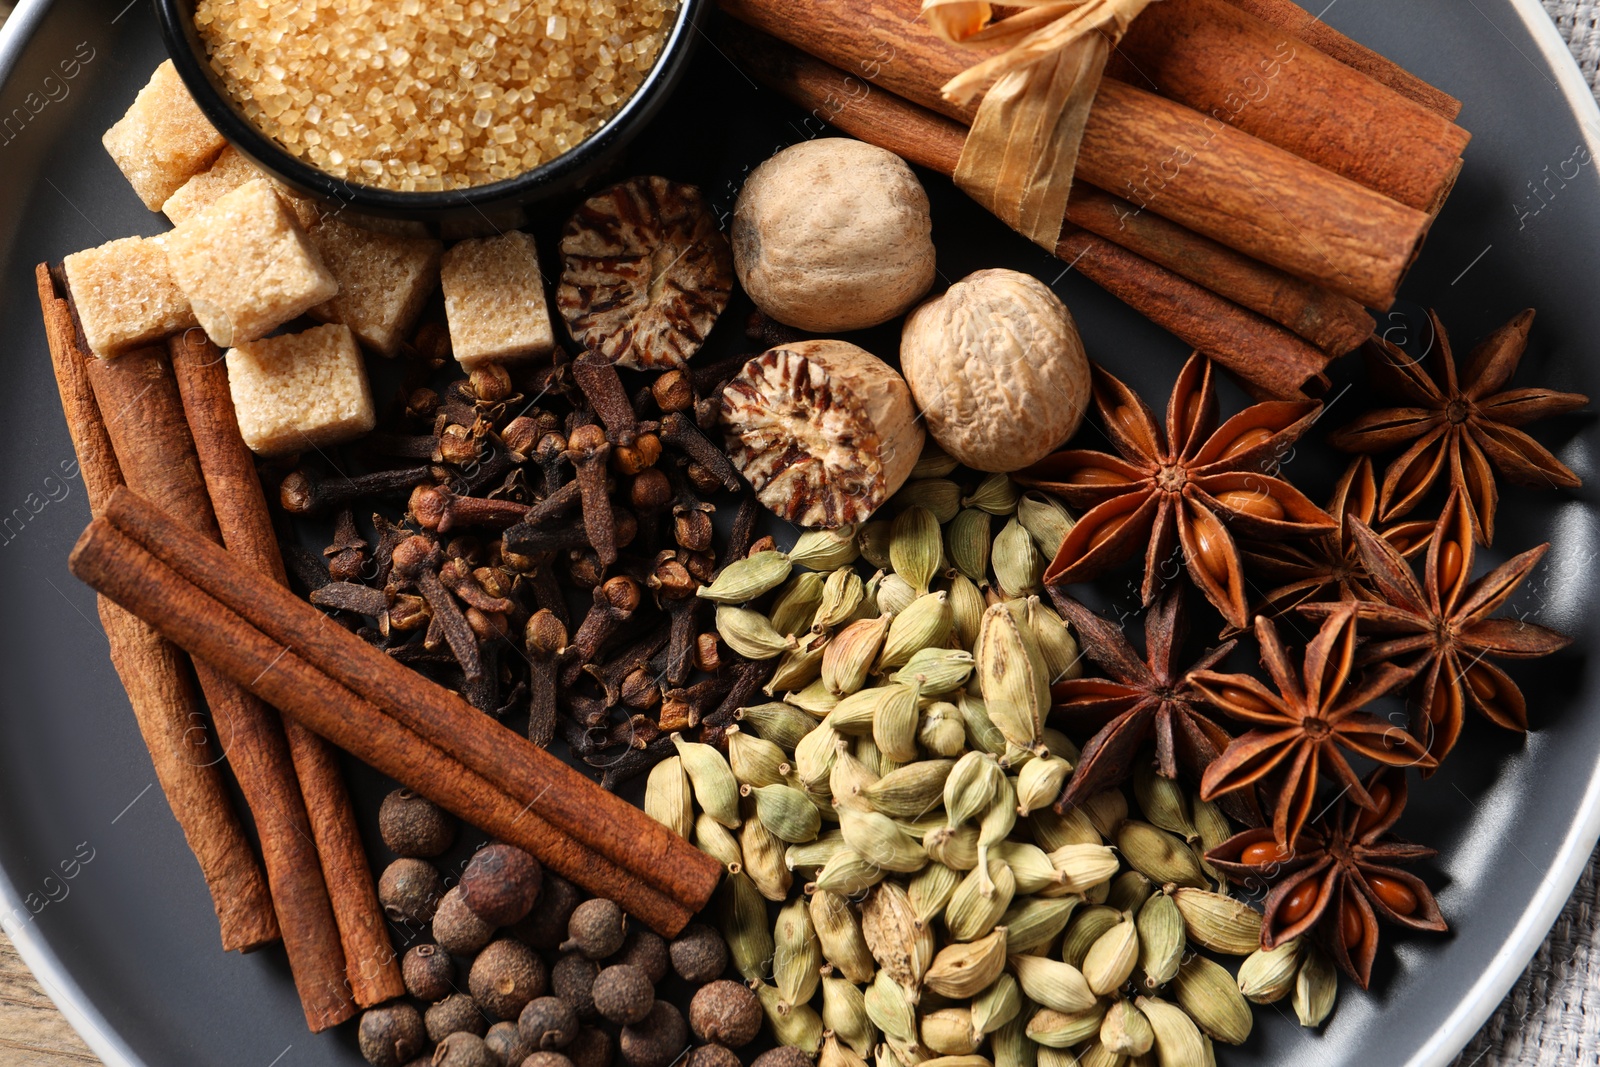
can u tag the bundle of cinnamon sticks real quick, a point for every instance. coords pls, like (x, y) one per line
(1249, 179)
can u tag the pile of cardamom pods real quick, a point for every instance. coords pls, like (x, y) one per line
(943, 913)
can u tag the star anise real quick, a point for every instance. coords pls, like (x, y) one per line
(1329, 567)
(1303, 730)
(1187, 486)
(1339, 877)
(1143, 698)
(1468, 425)
(1444, 620)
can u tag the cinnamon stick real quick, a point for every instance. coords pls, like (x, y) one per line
(1227, 63)
(1215, 180)
(1278, 364)
(156, 676)
(247, 532)
(138, 395)
(1294, 19)
(111, 560)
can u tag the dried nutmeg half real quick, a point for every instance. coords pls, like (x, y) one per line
(644, 273)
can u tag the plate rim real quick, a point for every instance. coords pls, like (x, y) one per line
(1449, 1038)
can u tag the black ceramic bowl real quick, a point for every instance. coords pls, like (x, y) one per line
(458, 212)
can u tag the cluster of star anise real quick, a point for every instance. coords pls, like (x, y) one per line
(1248, 537)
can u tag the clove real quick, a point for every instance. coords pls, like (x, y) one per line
(588, 449)
(601, 386)
(675, 591)
(544, 639)
(615, 601)
(634, 762)
(438, 508)
(348, 596)
(303, 494)
(417, 560)
(682, 434)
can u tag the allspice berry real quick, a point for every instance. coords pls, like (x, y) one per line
(429, 973)
(712, 1056)
(462, 1049)
(656, 1041)
(500, 884)
(413, 825)
(456, 929)
(591, 1048)
(699, 954)
(597, 929)
(546, 925)
(725, 1013)
(505, 1040)
(505, 976)
(624, 994)
(457, 1013)
(409, 890)
(546, 1059)
(784, 1056)
(646, 950)
(572, 979)
(391, 1036)
(548, 1023)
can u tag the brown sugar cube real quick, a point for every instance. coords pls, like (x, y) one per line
(230, 171)
(246, 265)
(494, 300)
(383, 281)
(163, 140)
(125, 295)
(300, 390)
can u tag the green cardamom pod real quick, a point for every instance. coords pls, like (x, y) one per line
(950, 1032)
(755, 761)
(1161, 940)
(1015, 690)
(1059, 1029)
(894, 722)
(1162, 856)
(1084, 866)
(872, 757)
(844, 1011)
(745, 579)
(842, 593)
(851, 653)
(816, 699)
(970, 789)
(902, 945)
(796, 1025)
(1214, 828)
(668, 797)
(715, 788)
(781, 723)
(855, 713)
(933, 462)
(718, 842)
(979, 901)
(1057, 646)
(839, 932)
(1111, 959)
(795, 607)
(1178, 1042)
(1011, 1046)
(879, 840)
(836, 1053)
(1029, 866)
(924, 624)
(847, 874)
(940, 496)
(1219, 923)
(1107, 810)
(798, 667)
(930, 889)
(967, 540)
(1125, 1031)
(907, 1053)
(982, 733)
(997, 494)
(1268, 974)
(765, 859)
(742, 913)
(966, 610)
(1018, 563)
(785, 811)
(895, 594)
(1084, 930)
(997, 822)
(1039, 783)
(1053, 984)
(915, 547)
(941, 731)
(911, 791)
(997, 1004)
(890, 1009)
(873, 541)
(1096, 1054)
(797, 954)
(813, 855)
(961, 972)
(936, 671)
(954, 846)
(850, 779)
(1036, 922)
(1129, 891)
(1059, 745)
(750, 633)
(814, 756)
(1052, 831)
(825, 550)
(1047, 519)
(1163, 801)
(1315, 987)
(1210, 995)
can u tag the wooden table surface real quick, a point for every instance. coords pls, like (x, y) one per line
(32, 1031)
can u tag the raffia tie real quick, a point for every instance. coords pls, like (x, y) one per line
(1020, 155)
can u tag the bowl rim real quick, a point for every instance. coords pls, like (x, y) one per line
(182, 40)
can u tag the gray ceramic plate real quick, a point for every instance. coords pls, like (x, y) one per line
(98, 891)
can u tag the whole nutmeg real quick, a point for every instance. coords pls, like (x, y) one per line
(456, 929)
(624, 994)
(429, 972)
(712, 1056)
(546, 1059)
(591, 1048)
(699, 954)
(656, 1041)
(391, 1036)
(457, 1013)
(548, 1023)
(646, 950)
(462, 1049)
(597, 929)
(410, 889)
(545, 927)
(725, 1013)
(505, 1040)
(784, 1056)
(998, 369)
(833, 234)
(572, 979)
(413, 825)
(505, 976)
(500, 884)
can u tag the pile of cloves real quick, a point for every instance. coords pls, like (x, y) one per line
(529, 490)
